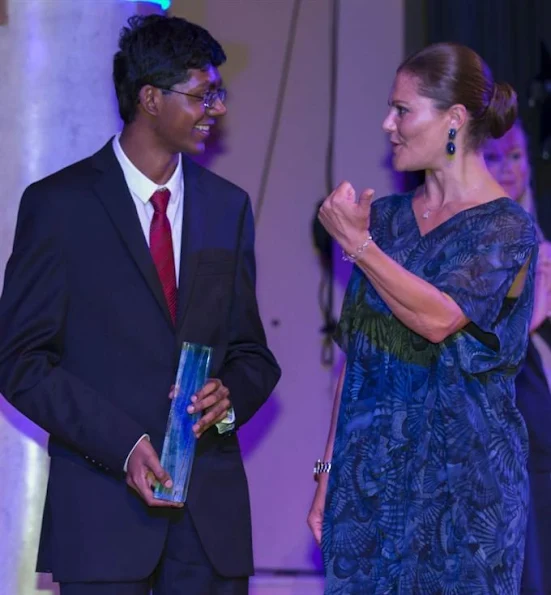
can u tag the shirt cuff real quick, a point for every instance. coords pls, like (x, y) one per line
(125, 468)
(228, 423)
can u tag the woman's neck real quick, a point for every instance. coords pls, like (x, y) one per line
(464, 179)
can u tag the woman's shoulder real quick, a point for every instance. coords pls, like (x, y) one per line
(511, 214)
(503, 220)
(512, 209)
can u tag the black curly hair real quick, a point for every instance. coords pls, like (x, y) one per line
(159, 51)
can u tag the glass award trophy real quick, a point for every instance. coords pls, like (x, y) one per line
(179, 443)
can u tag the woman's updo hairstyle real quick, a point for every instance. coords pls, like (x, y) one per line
(450, 73)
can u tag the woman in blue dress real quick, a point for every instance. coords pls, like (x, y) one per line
(427, 490)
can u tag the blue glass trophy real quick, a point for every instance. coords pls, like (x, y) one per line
(179, 443)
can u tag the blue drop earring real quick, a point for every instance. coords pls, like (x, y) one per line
(450, 147)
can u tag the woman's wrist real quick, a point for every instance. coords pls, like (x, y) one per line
(355, 249)
(321, 485)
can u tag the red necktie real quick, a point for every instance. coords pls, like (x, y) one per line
(160, 244)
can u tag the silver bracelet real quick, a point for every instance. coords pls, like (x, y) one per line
(322, 467)
(353, 257)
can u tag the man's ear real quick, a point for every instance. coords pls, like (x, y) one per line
(150, 99)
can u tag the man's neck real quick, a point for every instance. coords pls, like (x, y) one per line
(154, 162)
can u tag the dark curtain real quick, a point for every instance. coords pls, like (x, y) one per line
(508, 34)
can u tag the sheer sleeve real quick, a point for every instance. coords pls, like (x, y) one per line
(479, 271)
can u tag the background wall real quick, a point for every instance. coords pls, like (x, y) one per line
(56, 62)
(514, 38)
(288, 435)
(57, 107)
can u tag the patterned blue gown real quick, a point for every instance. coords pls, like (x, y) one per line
(428, 489)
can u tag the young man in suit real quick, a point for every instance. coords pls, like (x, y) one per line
(117, 259)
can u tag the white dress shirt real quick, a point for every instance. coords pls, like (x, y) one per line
(142, 189)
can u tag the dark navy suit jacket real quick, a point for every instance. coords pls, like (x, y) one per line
(534, 402)
(88, 352)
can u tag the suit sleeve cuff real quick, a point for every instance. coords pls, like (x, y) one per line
(228, 423)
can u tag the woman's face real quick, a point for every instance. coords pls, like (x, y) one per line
(507, 160)
(418, 131)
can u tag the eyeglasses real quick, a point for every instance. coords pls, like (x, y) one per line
(209, 99)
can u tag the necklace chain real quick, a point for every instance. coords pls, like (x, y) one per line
(427, 212)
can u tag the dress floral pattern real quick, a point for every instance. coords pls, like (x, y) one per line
(428, 490)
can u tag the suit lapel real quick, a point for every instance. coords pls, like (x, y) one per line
(112, 191)
(193, 230)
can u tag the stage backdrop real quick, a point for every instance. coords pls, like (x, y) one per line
(56, 61)
(284, 439)
(57, 107)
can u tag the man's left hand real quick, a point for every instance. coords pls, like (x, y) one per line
(213, 400)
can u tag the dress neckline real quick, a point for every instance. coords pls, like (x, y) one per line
(452, 218)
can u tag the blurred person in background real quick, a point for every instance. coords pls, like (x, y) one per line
(508, 161)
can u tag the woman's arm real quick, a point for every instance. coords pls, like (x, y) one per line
(432, 313)
(315, 516)
(328, 454)
(416, 303)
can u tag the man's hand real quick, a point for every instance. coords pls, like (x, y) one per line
(144, 469)
(213, 401)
